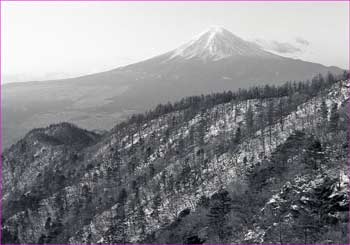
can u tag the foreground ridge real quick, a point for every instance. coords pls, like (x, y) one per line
(262, 165)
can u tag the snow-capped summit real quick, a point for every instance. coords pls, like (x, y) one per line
(214, 61)
(217, 43)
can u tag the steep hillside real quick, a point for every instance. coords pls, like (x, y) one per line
(214, 61)
(251, 166)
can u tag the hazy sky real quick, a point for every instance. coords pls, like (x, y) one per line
(60, 39)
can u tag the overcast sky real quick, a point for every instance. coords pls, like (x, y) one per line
(61, 39)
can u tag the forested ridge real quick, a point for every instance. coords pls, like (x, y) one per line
(259, 165)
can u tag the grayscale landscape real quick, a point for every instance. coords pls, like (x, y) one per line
(220, 140)
(214, 62)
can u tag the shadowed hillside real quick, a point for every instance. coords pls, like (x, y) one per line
(260, 165)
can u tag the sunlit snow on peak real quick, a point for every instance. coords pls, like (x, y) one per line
(217, 43)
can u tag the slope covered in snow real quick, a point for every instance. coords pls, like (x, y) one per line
(170, 168)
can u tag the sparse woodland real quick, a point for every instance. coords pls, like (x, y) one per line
(261, 165)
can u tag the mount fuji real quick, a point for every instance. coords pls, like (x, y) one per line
(218, 43)
(214, 61)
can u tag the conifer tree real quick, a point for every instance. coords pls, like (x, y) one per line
(324, 110)
(155, 206)
(249, 118)
(270, 118)
(220, 205)
(238, 136)
(334, 118)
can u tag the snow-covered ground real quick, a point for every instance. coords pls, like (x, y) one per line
(228, 167)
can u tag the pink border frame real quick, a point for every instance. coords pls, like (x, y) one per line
(174, 0)
(140, 1)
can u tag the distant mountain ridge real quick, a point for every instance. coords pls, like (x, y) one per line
(214, 61)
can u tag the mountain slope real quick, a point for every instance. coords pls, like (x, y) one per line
(215, 61)
(176, 165)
